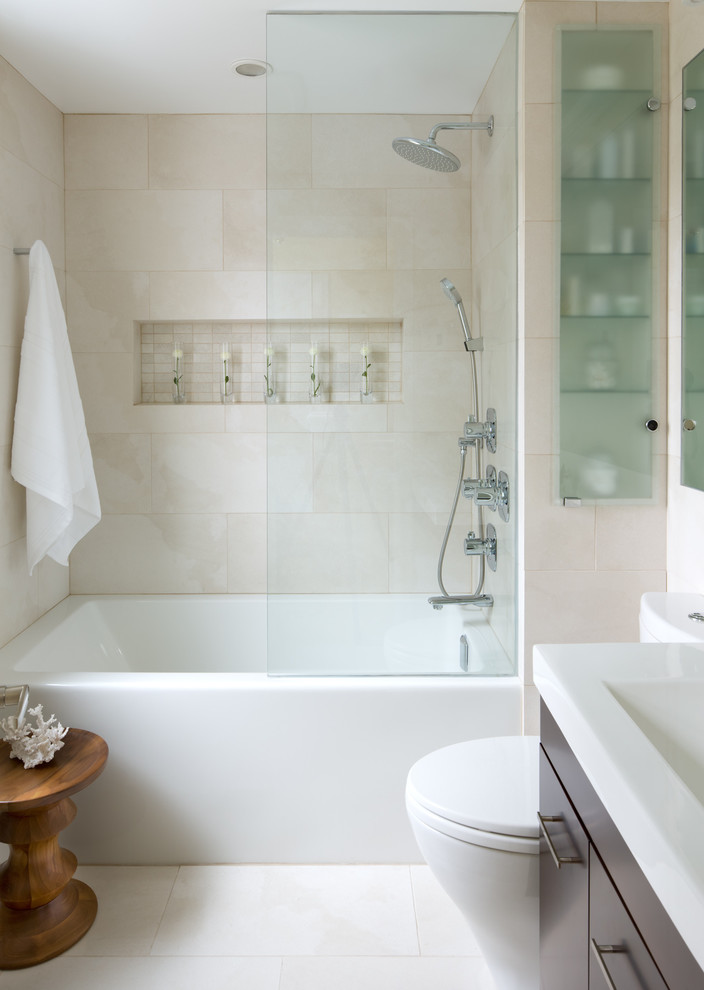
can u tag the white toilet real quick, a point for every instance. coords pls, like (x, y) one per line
(473, 809)
(671, 617)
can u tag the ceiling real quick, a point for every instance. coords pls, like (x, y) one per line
(175, 56)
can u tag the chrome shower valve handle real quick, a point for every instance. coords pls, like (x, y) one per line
(491, 492)
(475, 546)
(485, 431)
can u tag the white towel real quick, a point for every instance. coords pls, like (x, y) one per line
(50, 451)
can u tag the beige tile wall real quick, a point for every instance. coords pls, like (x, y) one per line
(31, 208)
(165, 222)
(585, 568)
(685, 528)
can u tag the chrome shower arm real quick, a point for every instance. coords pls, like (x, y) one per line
(474, 125)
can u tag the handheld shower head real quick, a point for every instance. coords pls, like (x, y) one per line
(453, 295)
(450, 291)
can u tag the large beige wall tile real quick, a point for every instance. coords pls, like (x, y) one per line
(101, 308)
(31, 209)
(585, 606)
(288, 151)
(246, 557)
(415, 539)
(345, 294)
(106, 151)
(685, 533)
(428, 228)
(12, 500)
(105, 385)
(328, 552)
(25, 598)
(14, 292)
(152, 554)
(686, 40)
(542, 241)
(9, 373)
(209, 473)
(541, 22)
(289, 295)
(402, 472)
(245, 229)
(494, 299)
(634, 539)
(143, 230)
(289, 472)
(208, 295)
(354, 151)
(323, 229)
(500, 95)
(245, 418)
(207, 151)
(435, 392)
(430, 320)
(31, 127)
(556, 538)
(327, 418)
(122, 463)
(494, 202)
(539, 412)
(541, 196)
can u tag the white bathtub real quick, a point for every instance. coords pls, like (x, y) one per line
(211, 760)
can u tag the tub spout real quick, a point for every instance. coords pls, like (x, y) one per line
(10, 696)
(481, 601)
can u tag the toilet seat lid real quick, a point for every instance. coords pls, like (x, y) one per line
(488, 784)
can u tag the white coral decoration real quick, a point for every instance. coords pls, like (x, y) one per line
(33, 744)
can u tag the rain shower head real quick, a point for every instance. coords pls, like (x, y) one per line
(428, 154)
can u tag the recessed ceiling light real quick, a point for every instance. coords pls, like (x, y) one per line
(251, 67)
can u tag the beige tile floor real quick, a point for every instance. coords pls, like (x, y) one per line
(266, 928)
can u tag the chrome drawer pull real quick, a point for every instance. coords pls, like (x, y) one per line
(600, 951)
(558, 860)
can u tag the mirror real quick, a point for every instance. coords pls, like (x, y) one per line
(693, 274)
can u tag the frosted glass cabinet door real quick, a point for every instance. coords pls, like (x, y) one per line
(693, 285)
(609, 128)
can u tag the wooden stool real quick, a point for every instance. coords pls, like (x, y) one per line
(43, 911)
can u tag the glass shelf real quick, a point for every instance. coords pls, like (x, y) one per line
(606, 391)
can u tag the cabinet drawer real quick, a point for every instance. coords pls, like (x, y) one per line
(618, 958)
(564, 888)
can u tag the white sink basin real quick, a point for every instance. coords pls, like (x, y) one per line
(671, 715)
(634, 717)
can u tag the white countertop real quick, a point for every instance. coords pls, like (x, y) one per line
(633, 715)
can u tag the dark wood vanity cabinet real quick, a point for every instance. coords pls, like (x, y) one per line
(602, 927)
(618, 955)
(564, 887)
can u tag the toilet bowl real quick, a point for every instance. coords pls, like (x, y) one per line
(473, 810)
(671, 617)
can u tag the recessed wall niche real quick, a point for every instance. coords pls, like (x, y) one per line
(201, 346)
